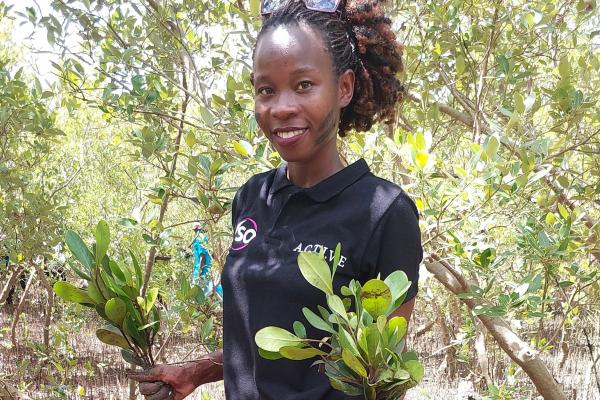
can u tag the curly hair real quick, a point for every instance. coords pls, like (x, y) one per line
(359, 39)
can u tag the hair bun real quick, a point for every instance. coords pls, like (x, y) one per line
(377, 88)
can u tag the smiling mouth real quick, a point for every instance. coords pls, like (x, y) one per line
(290, 134)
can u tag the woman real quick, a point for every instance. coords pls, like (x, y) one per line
(321, 68)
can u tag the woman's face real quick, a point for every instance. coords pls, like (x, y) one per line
(298, 96)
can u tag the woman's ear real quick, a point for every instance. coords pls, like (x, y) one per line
(346, 87)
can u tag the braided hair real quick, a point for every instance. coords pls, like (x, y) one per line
(360, 39)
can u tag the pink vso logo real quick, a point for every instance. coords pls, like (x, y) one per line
(245, 231)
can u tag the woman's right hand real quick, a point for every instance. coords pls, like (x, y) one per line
(176, 381)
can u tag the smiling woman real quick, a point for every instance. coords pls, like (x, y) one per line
(321, 69)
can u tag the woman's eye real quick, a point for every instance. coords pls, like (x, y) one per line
(305, 85)
(264, 91)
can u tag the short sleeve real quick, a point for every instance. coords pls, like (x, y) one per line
(396, 244)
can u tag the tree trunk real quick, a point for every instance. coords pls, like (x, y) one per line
(482, 357)
(13, 335)
(50, 306)
(18, 270)
(132, 386)
(450, 357)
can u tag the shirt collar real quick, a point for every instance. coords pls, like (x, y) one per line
(328, 187)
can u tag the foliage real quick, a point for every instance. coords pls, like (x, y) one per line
(497, 142)
(30, 204)
(364, 347)
(114, 290)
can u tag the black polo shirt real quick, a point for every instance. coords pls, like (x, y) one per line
(377, 226)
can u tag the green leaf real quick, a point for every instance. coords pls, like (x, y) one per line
(131, 358)
(112, 285)
(420, 143)
(460, 65)
(347, 342)
(104, 290)
(317, 321)
(316, 271)
(137, 81)
(421, 159)
(269, 355)
(190, 139)
(491, 147)
(402, 374)
(563, 211)
(564, 67)
(399, 284)
(127, 222)
(111, 335)
(79, 249)
(543, 240)
(115, 310)
(503, 63)
(345, 387)
(138, 270)
(297, 353)
(241, 150)
(353, 363)
(519, 103)
(397, 325)
(299, 329)
(207, 327)
(336, 305)
(70, 293)
(376, 297)
(381, 322)
(345, 290)
(94, 293)
(117, 272)
(131, 325)
(151, 297)
(102, 240)
(415, 369)
(207, 116)
(272, 338)
(368, 340)
(336, 258)
(141, 302)
(409, 355)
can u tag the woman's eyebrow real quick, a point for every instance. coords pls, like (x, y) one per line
(304, 69)
(298, 71)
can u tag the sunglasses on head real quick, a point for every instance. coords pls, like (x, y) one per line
(270, 6)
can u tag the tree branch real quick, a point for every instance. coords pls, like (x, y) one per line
(517, 349)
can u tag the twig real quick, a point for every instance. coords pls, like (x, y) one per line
(594, 360)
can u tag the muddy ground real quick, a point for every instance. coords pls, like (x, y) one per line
(81, 367)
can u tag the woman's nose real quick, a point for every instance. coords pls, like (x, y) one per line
(285, 106)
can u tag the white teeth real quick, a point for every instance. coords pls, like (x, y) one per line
(290, 134)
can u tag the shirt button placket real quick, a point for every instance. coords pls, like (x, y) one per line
(276, 228)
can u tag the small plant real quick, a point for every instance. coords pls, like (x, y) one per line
(362, 352)
(114, 291)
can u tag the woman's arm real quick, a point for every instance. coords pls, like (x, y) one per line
(177, 381)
